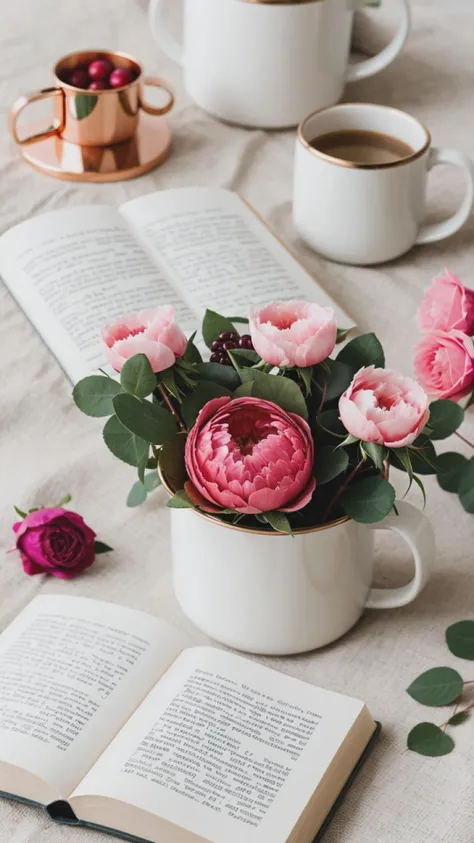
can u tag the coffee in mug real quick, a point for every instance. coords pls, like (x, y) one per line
(360, 147)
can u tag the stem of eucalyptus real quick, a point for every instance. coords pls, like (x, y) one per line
(463, 439)
(342, 487)
(463, 711)
(172, 410)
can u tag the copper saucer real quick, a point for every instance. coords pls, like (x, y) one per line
(148, 148)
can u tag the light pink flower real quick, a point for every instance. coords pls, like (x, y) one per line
(444, 364)
(447, 306)
(384, 407)
(151, 332)
(251, 456)
(293, 333)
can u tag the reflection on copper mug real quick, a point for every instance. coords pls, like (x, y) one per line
(98, 118)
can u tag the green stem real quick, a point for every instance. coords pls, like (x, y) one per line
(463, 439)
(172, 410)
(342, 487)
(464, 710)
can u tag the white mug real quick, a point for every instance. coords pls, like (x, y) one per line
(273, 594)
(369, 213)
(267, 63)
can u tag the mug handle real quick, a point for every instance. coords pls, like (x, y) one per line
(23, 102)
(412, 526)
(161, 33)
(156, 83)
(363, 69)
(440, 230)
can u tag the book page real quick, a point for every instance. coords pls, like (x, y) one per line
(220, 253)
(224, 748)
(75, 270)
(72, 671)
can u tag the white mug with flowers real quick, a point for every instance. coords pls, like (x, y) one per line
(276, 455)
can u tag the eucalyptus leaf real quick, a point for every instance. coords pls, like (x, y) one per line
(278, 521)
(282, 391)
(428, 739)
(245, 356)
(244, 390)
(458, 718)
(149, 421)
(137, 377)
(466, 487)
(180, 500)
(329, 422)
(123, 443)
(204, 392)
(437, 686)
(460, 639)
(423, 457)
(340, 377)
(369, 500)
(141, 468)
(365, 350)
(216, 373)
(214, 325)
(445, 418)
(329, 463)
(94, 395)
(452, 465)
(137, 495)
(101, 547)
(172, 462)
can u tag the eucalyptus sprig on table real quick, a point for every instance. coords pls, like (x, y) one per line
(441, 686)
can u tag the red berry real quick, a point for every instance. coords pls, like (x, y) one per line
(79, 78)
(216, 345)
(98, 85)
(100, 70)
(227, 335)
(215, 358)
(120, 76)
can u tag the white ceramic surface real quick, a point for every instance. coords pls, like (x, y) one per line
(268, 65)
(366, 214)
(279, 595)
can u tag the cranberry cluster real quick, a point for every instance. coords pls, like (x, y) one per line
(99, 75)
(226, 342)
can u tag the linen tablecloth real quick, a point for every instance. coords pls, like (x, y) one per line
(48, 448)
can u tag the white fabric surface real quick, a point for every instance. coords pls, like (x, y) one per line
(48, 448)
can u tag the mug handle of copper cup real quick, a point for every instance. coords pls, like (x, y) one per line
(156, 83)
(22, 103)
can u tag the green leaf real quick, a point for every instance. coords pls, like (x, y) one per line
(82, 105)
(452, 467)
(377, 453)
(214, 325)
(180, 500)
(239, 319)
(445, 417)
(137, 377)
(20, 512)
(438, 686)
(123, 443)
(423, 457)
(306, 374)
(460, 639)
(421, 487)
(428, 739)
(329, 422)
(152, 481)
(466, 487)
(244, 390)
(470, 402)
(168, 379)
(216, 373)
(349, 440)
(278, 521)
(365, 350)
(459, 718)
(147, 420)
(172, 462)
(152, 462)
(101, 547)
(194, 403)
(329, 463)
(368, 501)
(137, 495)
(191, 354)
(65, 500)
(340, 376)
(282, 391)
(342, 334)
(141, 468)
(244, 357)
(94, 395)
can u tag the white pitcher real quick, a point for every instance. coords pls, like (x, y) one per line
(268, 63)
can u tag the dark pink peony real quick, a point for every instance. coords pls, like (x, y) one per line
(55, 541)
(251, 456)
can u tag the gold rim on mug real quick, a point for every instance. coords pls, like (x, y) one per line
(341, 162)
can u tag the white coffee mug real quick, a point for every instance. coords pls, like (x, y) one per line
(273, 594)
(267, 63)
(369, 213)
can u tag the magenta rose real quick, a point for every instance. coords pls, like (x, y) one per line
(384, 407)
(250, 456)
(444, 364)
(447, 306)
(293, 333)
(55, 541)
(153, 333)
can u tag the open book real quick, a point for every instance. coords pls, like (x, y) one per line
(109, 721)
(75, 270)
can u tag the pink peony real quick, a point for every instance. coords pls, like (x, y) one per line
(55, 541)
(447, 306)
(293, 333)
(384, 407)
(444, 364)
(150, 332)
(251, 456)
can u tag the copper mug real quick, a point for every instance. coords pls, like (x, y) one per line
(92, 118)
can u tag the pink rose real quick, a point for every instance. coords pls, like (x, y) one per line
(150, 332)
(293, 333)
(447, 306)
(55, 541)
(384, 407)
(444, 364)
(251, 456)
